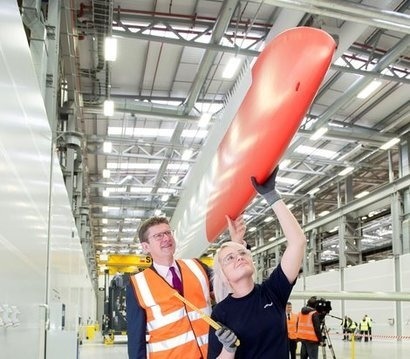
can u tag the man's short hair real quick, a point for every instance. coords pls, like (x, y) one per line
(146, 225)
(312, 302)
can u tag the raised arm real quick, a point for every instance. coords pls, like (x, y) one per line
(237, 229)
(296, 240)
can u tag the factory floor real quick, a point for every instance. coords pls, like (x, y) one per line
(377, 349)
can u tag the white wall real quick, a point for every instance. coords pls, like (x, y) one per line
(405, 287)
(376, 276)
(28, 231)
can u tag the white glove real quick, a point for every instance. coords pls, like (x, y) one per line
(228, 338)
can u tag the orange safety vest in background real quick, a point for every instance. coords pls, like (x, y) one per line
(292, 325)
(174, 330)
(306, 331)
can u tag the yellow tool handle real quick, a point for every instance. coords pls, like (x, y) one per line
(205, 317)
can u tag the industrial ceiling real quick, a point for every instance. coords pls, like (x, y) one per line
(171, 55)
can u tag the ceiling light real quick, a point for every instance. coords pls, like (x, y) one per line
(157, 212)
(231, 67)
(268, 219)
(106, 193)
(108, 108)
(204, 120)
(252, 229)
(166, 190)
(118, 189)
(107, 146)
(362, 194)
(110, 49)
(165, 197)
(103, 257)
(324, 213)
(290, 205)
(147, 166)
(132, 219)
(174, 179)
(104, 221)
(390, 143)
(187, 154)
(316, 152)
(369, 89)
(285, 163)
(106, 173)
(127, 239)
(287, 180)
(105, 209)
(346, 171)
(141, 189)
(319, 133)
(129, 230)
(154, 132)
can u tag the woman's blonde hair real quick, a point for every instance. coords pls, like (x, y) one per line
(221, 284)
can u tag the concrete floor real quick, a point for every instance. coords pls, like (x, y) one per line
(381, 349)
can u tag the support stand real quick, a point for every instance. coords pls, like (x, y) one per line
(327, 340)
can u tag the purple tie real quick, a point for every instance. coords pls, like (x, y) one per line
(176, 282)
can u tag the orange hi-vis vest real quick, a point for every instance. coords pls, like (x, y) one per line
(174, 330)
(306, 331)
(292, 323)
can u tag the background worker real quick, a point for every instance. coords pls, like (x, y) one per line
(364, 329)
(309, 330)
(159, 326)
(255, 313)
(369, 325)
(292, 323)
(346, 323)
(352, 329)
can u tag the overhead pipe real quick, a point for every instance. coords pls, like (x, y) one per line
(145, 109)
(164, 16)
(358, 13)
(32, 16)
(102, 20)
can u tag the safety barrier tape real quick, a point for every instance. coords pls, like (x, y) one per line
(376, 336)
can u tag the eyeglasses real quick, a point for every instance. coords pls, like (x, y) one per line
(160, 236)
(231, 257)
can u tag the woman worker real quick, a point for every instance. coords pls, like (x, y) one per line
(255, 313)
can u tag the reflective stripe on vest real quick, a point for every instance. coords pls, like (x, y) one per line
(292, 326)
(306, 331)
(174, 330)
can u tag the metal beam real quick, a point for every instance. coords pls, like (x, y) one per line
(371, 74)
(144, 109)
(187, 43)
(376, 195)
